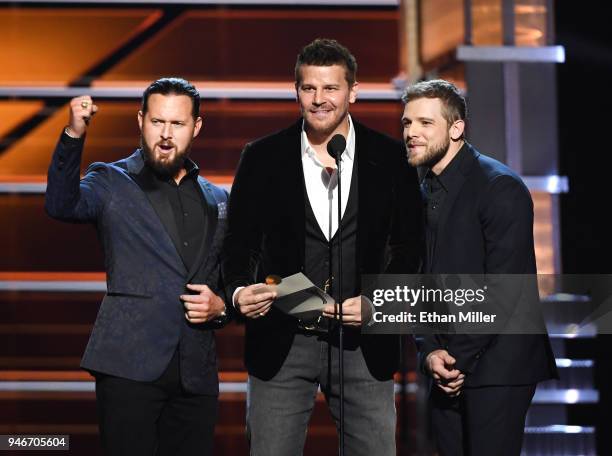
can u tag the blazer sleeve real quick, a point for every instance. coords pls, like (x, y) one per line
(243, 238)
(506, 218)
(68, 198)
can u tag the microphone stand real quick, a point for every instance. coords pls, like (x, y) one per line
(341, 329)
(335, 148)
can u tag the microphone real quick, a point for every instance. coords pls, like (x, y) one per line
(336, 146)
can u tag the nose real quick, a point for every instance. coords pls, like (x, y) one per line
(318, 97)
(410, 130)
(166, 132)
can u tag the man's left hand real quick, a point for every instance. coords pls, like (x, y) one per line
(351, 311)
(204, 306)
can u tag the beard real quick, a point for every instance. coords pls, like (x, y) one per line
(164, 168)
(432, 155)
(325, 129)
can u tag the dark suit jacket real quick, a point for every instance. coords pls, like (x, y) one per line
(141, 320)
(266, 233)
(486, 227)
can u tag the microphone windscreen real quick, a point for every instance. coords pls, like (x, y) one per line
(336, 146)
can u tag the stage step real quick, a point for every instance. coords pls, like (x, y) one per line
(559, 440)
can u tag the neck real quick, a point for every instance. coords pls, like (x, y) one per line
(318, 141)
(453, 150)
(178, 176)
(318, 138)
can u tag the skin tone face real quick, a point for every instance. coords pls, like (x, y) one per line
(430, 140)
(168, 130)
(324, 96)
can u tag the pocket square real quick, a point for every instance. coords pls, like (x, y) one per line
(222, 210)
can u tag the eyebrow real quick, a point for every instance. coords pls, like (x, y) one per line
(405, 119)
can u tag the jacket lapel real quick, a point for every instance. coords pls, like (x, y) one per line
(291, 182)
(158, 202)
(370, 179)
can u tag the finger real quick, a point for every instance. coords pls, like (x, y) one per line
(259, 287)
(259, 312)
(197, 307)
(455, 384)
(198, 287)
(254, 309)
(335, 310)
(448, 359)
(448, 390)
(265, 310)
(330, 309)
(198, 313)
(448, 374)
(196, 320)
(197, 298)
(82, 101)
(250, 299)
(201, 297)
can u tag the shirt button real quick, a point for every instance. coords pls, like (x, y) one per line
(185, 214)
(185, 243)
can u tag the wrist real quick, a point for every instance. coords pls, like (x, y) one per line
(71, 133)
(222, 315)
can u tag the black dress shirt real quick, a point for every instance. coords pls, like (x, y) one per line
(435, 191)
(188, 207)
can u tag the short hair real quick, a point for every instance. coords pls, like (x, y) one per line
(453, 103)
(173, 86)
(327, 52)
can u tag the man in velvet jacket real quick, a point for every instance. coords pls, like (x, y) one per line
(479, 220)
(279, 223)
(152, 348)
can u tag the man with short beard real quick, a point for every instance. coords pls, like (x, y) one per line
(152, 348)
(279, 224)
(479, 220)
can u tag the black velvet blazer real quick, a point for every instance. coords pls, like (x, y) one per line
(266, 232)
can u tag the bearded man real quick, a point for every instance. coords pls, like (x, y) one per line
(478, 220)
(289, 359)
(152, 348)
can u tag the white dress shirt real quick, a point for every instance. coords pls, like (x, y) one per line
(322, 190)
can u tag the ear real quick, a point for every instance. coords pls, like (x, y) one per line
(197, 127)
(353, 92)
(456, 130)
(140, 119)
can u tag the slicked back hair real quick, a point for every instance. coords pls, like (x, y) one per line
(173, 86)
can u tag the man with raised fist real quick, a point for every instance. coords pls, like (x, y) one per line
(152, 348)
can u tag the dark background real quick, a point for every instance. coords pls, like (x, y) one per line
(585, 126)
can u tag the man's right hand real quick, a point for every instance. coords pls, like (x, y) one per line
(82, 110)
(255, 300)
(440, 365)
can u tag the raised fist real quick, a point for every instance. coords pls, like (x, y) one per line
(82, 110)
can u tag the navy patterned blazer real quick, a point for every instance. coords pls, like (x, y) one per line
(141, 319)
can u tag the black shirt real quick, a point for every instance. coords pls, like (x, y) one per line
(188, 207)
(435, 190)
